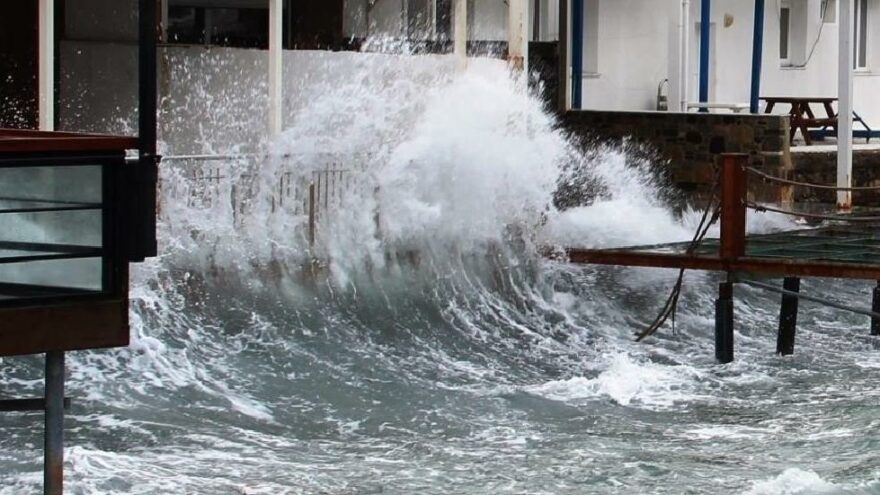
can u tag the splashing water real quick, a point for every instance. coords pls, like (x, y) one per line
(432, 350)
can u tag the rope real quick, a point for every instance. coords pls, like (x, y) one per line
(816, 216)
(671, 306)
(780, 180)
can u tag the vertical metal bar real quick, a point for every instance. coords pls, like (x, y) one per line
(563, 46)
(733, 207)
(845, 104)
(875, 307)
(724, 323)
(53, 468)
(312, 223)
(788, 313)
(143, 194)
(705, 42)
(757, 55)
(577, 53)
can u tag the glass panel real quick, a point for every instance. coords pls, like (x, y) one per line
(78, 274)
(51, 230)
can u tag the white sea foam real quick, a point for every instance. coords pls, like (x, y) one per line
(627, 382)
(793, 481)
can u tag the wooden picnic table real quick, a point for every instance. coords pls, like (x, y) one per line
(802, 116)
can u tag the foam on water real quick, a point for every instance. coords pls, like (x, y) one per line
(439, 353)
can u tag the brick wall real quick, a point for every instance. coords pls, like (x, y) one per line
(686, 145)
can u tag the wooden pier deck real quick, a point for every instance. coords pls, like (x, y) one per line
(845, 247)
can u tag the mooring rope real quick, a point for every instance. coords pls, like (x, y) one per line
(671, 306)
(780, 180)
(815, 216)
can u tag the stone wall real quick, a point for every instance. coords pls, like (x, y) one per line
(686, 145)
(820, 167)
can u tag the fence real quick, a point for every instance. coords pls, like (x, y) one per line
(308, 185)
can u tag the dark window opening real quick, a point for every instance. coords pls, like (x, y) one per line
(242, 28)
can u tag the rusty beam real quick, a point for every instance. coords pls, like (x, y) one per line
(768, 266)
(733, 205)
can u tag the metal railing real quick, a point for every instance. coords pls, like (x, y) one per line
(233, 182)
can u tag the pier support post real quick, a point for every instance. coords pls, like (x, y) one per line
(788, 317)
(53, 467)
(875, 307)
(724, 323)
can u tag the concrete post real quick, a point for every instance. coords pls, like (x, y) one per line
(460, 35)
(46, 93)
(276, 65)
(845, 104)
(517, 35)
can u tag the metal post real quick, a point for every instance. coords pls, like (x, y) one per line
(536, 21)
(724, 323)
(577, 53)
(705, 41)
(788, 313)
(875, 307)
(53, 467)
(460, 35)
(564, 40)
(684, 42)
(733, 205)
(276, 65)
(312, 215)
(845, 104)
(47, 65)
(757, 55)
(143, 195)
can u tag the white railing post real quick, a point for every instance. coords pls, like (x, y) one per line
(460, 35)
(46, 69)
(276, 65)
(845, 105)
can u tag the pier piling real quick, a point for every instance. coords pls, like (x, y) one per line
(788, 317)
(53, 467)
(724, 323)
(875, 307)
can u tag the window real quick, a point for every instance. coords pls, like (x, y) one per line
(784, 33)
(828, 11)
(245, 28)
(860, 46)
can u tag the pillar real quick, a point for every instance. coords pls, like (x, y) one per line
(788, 313)
(276, 65)
(757, 56)
(460, 34)
(724, 323)
(46, 70)
(875, 307)
(53, 467)
(845, 104)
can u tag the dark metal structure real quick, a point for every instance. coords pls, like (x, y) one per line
(74, 212)
(838, 251)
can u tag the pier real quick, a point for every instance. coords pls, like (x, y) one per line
(846, 248)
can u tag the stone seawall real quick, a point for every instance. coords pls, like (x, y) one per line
(686, 145)
(820, 167)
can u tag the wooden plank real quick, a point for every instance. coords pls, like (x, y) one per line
(86, 325)
(26, 141)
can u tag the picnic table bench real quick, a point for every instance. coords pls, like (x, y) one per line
(803, 118)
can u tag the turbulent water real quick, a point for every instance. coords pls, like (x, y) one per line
(435, 351)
